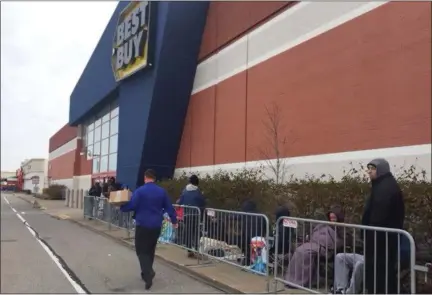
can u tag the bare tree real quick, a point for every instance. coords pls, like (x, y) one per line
(276, 143)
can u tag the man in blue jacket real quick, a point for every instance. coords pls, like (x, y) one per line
(149, 202)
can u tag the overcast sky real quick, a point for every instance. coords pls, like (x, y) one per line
(44, 49)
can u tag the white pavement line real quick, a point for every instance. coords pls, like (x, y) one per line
(53, 257)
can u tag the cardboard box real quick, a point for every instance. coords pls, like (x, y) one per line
(119, 197)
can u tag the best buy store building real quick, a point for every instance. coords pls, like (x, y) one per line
(184, 86)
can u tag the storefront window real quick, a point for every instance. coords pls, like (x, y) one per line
(101, 139)
(98, 122)
(89, 152)
(112, 161)
(106, 118)
(97, 149)
(89, 138)
(113, 144)
(104, 164)
(105, 130)
(97, 134)
(114, 110)
(105, 147)
(96, 164)
(114, 126)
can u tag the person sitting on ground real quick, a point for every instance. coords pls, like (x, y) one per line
(324, 238)
(192, 197)
(283, 236)
(353, 263)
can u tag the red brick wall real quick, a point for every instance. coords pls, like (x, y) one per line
(65, 134)
(227, 21)
(336, 93)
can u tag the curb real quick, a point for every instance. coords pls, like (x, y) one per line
(181, 268)
(24, 199)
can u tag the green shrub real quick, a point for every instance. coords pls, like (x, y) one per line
(312, 196)
(54, 192)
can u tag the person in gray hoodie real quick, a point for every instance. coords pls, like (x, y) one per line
(192, 196)
(384, 208)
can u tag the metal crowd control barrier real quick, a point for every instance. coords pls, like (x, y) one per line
(118, 218)
(188, 231)
(324, 250)
(237, 238)
(189, 227)
(352, 258)
(88, 209)
(100, 209)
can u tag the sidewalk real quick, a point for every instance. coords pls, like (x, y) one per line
(217, 274)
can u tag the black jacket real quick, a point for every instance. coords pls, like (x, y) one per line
(95, 191)
(385, 208)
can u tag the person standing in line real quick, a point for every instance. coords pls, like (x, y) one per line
(149, 202)
(192, 196)
(384, 208)
(105, 189)
(95, 191)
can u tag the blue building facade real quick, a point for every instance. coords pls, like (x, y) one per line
(152, 103)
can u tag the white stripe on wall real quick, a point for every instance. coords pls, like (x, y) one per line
(76, 183)
(83, 182)
(64, 149)
(332, 164)
(292, 27)
(68, 182)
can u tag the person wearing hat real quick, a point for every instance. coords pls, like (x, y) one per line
(385, 208)
(192, 197)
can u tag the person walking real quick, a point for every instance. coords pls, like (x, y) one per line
(384, 208)
(149, 202)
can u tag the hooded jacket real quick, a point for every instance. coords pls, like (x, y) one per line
(192, 196)
(95, 190)
(337, 210)
(385, 206)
